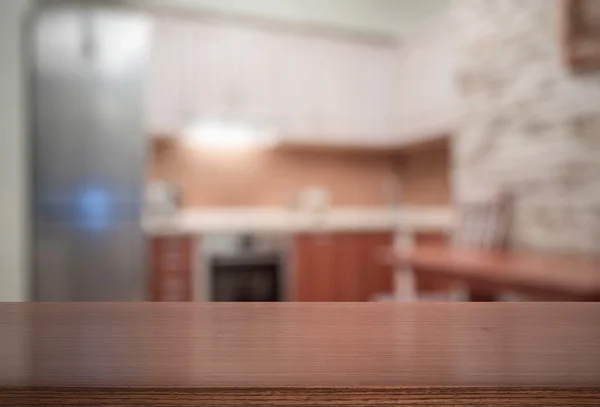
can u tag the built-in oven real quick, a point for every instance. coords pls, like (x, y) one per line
(246, 268)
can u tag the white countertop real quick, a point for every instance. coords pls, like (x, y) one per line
(278, 220)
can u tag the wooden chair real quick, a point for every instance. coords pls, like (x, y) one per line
(483, 219)
(483, 224)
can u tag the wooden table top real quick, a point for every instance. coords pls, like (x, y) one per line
(576, 276)
(320, 345)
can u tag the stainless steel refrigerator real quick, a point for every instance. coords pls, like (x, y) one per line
(88, 69)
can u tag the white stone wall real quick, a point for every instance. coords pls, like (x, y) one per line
(528, 124)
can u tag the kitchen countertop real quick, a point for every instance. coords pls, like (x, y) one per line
(381, 349)
(275, 220)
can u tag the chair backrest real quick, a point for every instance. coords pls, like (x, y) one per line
(483, 220)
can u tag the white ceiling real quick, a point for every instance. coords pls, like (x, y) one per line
(401, 17)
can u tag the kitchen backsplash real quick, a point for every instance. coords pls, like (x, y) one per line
(276, 178)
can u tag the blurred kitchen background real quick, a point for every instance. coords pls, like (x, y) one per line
(297, 150)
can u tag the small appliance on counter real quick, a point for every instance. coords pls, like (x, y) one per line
(314, 200)
(163, 200)
(313, 204)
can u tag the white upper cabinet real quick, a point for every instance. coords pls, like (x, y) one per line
(300, 107)
(186, 81)
(338, 89)
(306, 88)
(376, 103)
(252, 75)
(207, 82)
(429, 103)
(337, 92)
(163, 92)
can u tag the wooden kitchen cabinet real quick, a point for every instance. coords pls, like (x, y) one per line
(343, 267)
(172, 265)
(314, 263)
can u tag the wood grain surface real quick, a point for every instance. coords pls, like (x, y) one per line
(299, 354)
(303, 397)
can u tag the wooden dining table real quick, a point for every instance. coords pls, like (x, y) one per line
(540, 276)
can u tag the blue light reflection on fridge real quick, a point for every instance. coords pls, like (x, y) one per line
(94, 209)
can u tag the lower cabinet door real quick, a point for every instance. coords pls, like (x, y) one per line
(313, 266)
(172, 268)
(345, 267)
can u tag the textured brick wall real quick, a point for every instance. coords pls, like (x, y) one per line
(528, 123)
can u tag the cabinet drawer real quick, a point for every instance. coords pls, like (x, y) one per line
(172, 268)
